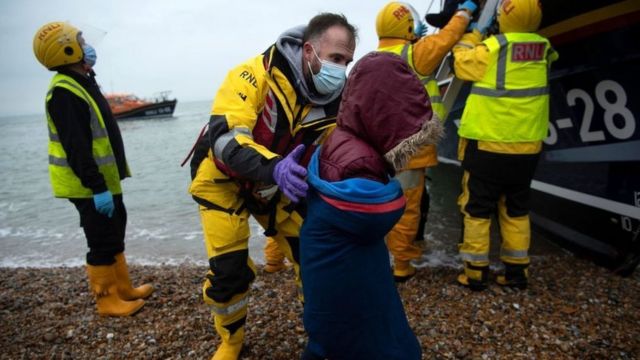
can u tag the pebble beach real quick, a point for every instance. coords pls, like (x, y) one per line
(571, 310)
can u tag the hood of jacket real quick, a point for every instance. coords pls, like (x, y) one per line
(384, 104)
(290, 46)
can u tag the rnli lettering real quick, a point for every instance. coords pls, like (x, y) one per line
(527, 52)
(400, 12)
(47, 30)
(249, 78)
(242, 96)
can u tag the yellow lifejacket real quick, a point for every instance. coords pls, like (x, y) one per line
(64, 181)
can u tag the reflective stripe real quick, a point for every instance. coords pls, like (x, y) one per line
(510, 93)
(474, 257)
(436, 99)
(404, 54)
(409, 179)
(468, 46)
(53, 136)
(97, 131)
(224, 140)
(502, 62)
(104, 160)
(514, 253)
(230, 309)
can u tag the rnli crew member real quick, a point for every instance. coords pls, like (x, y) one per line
(501, 132)
(352, 308)
(267, 118)
(400, 31)
(87, 163)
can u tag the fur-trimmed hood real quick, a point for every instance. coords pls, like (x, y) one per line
(385, 118)
(385, 105)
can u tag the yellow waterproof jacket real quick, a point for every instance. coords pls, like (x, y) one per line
(257, 115)
(426, 54)
(472, 60)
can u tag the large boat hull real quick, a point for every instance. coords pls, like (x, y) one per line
(155, 110)
(586, 190)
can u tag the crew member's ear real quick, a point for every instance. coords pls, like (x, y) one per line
(307, 52)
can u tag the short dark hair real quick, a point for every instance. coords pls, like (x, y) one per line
(321, 22)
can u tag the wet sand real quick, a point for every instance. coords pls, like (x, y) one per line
(572, 310)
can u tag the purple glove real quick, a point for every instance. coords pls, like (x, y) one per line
(290, 176)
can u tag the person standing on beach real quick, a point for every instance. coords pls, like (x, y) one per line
(87, 163)
(503, 124)
(352, 308)
(401, 32)
(267, 118)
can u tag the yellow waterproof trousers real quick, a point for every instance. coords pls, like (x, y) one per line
(400, 239)
(478, 202)
(227, 284)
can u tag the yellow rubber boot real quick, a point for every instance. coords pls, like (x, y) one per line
(102, 280)
(273, 256)
(403, 271)
(125, 290)
(231, 344)
(515, 275)
(474, 277)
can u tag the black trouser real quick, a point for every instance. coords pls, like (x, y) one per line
(105, 236)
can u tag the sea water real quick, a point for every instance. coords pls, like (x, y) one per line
(38, 230)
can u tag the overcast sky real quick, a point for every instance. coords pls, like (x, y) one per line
(186, 46)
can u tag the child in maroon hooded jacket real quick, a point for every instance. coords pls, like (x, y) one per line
(352, 308)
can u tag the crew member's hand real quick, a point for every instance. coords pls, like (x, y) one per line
(469, 5)
(421, 29)
(104, 203)
(290, 176)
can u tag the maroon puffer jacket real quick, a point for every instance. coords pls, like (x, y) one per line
(383, 120)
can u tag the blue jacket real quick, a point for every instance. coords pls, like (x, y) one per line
(352, 308)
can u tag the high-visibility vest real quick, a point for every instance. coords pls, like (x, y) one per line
(429, 82)
(511, 102)
(64, 181)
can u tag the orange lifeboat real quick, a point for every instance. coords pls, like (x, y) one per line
(124, 105)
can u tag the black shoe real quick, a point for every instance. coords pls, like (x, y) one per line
(472, 284)
(515, 276)
(402, 279)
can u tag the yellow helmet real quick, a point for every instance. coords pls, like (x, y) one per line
(519, 15)
(397, 20)
(56, 44)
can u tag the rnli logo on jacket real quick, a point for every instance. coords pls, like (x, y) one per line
(249, 77)
(521, 52)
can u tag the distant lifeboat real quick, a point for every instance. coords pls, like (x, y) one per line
(126, 106)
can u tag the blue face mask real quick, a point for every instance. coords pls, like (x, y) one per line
(90, 56)
(331, 77)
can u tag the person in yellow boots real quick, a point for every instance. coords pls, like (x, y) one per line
(501, 131)
(400, 31)
(87, 163)
(268, 117)
(273, 256)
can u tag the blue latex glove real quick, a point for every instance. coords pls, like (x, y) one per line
(290, 176)
(468, 5)
(421, 29)
(104, 203)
